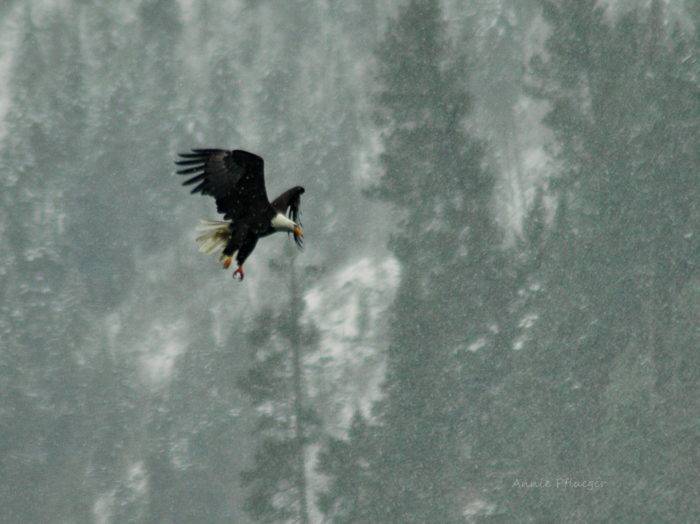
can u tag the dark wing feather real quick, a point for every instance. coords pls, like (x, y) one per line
(288, 203)
(236, 180)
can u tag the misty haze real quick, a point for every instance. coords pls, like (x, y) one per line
(494, 318)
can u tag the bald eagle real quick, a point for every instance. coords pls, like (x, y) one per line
(236, 181)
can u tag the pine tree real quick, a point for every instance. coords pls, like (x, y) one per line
(347, 463)
(286, 421)
(435, 179)
(616, 257)
(41, 368)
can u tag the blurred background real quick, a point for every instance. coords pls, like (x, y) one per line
(494, 318)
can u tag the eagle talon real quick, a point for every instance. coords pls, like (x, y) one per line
(227, 262)
(240, 273)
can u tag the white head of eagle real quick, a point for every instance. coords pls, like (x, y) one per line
(236, 180)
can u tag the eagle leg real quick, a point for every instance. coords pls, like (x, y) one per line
(239, 272)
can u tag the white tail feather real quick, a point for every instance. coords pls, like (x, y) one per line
(215, 235)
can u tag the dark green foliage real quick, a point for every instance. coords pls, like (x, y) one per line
(588, 304)
(601, 360)
(44, 383)
(354, 486)
(435, 180)
(197, 439)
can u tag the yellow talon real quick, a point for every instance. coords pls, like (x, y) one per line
(227, 262)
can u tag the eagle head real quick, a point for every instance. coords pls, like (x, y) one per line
(282, 223)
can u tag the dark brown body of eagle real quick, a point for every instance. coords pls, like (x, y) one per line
(236, 180)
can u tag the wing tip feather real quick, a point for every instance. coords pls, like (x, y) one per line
(193, 180)
(189, 171)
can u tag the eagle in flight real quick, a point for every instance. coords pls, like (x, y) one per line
(236, 180)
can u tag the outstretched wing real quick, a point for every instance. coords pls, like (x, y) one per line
(236, 179)
(288, 203)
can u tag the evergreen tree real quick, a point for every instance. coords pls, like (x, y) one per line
(601, 357)
(43, 370)
(286, 421)
(97, 219)
(434, 178)
(347, 463)
(196, 436)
